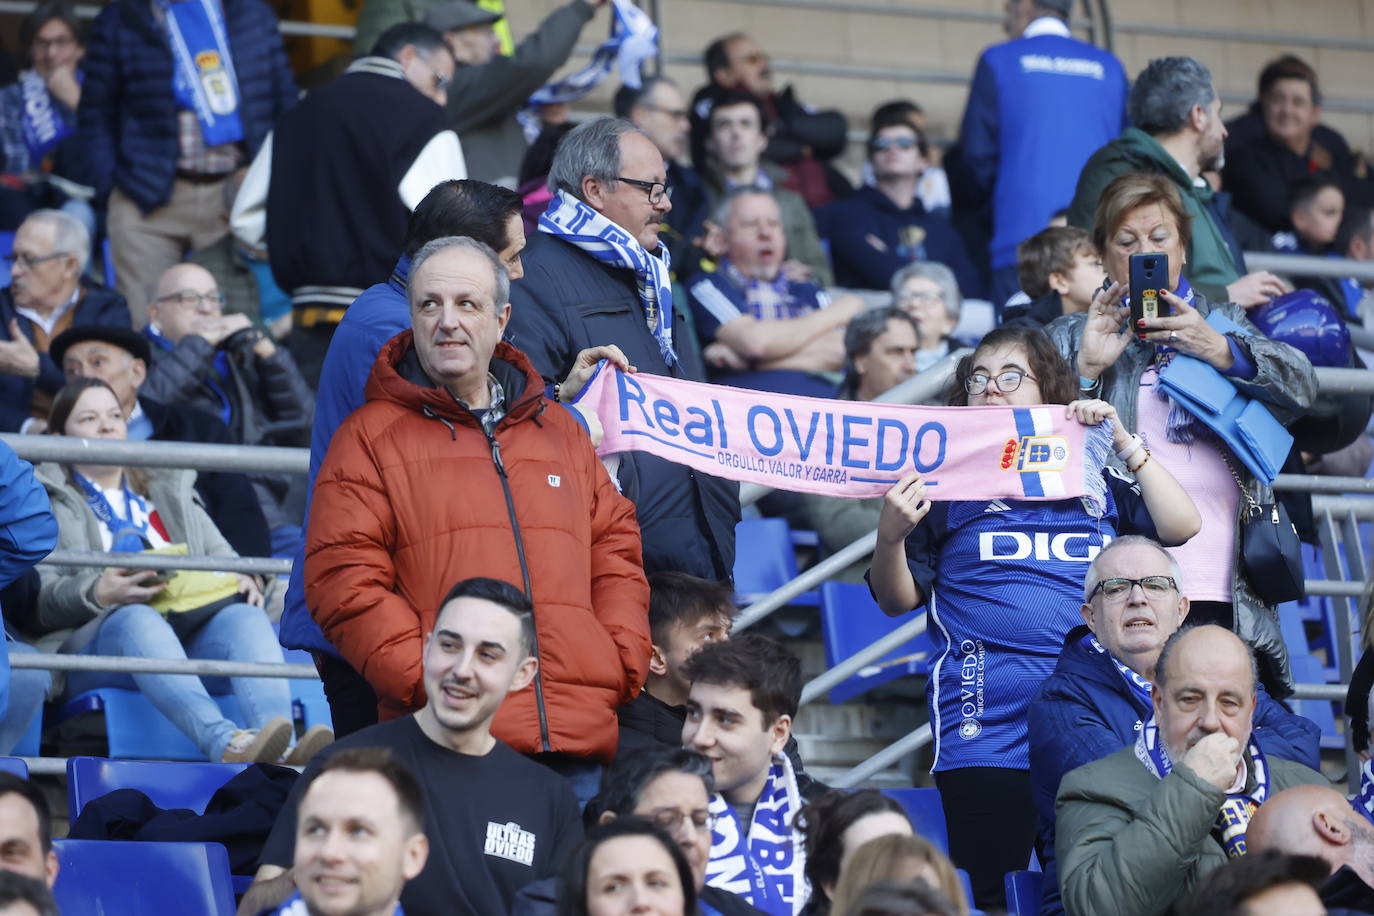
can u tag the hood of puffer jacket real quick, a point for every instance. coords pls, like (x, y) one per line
(398, 377)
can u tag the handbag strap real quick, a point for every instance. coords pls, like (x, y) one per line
(1249, 507)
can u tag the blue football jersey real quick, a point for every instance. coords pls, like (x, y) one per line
(1004, 583)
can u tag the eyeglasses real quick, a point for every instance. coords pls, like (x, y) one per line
(1006, 382)
(29, 261)
(190, 299)
(656, 190)
(1116, 589)
(441, 82)
(883, 143)
(922, 297)
(670, 819)
(677, 114)
(64, 41)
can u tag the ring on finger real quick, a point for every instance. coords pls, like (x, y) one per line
(1173, 336)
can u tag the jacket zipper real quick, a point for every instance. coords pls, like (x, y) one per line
(529, 592)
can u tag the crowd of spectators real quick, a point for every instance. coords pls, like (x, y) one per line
(538, 704)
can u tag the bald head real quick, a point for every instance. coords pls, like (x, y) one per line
(1204, 683)
(185, 299)
(1314, 821)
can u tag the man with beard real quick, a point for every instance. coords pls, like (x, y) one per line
(1177, 131)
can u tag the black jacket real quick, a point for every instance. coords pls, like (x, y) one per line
(541, 899)
(228, 496)
(568, 302)
(1346, 892)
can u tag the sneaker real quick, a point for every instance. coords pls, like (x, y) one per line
(259, 745)
(310, 744)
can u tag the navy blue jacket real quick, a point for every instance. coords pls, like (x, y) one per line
(1038, 107)
(99, 305)
(127, 119)
(1086, 711)
(871, 238)
(567, 302)
(28, 533)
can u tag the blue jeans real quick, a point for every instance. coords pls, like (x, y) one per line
(239, 632)
(28, 687)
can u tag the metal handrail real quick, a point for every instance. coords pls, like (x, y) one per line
(1307, 265)
(199, 456)
(889, 755)
(864, 657)
(249, 566)
(199, 666)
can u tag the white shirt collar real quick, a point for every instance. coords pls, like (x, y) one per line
(382, 66)
(1047, 25)
(136, 413)
(49, 321)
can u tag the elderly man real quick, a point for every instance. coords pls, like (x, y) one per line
(736, 142)
(758, 328)
(595, 274)
(120, 357)
(1142, 826)
(1319, 821)
(330, 192)
(1177, 131)
(1099, 694)
(1039, 105)
(46, 296)
(224, 365)
(658, 108)
(450, 401)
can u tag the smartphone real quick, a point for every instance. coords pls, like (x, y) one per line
(1149, 275)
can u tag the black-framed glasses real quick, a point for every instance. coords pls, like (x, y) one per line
(1006, 382)
(27, 261)
(190, 299)
(656, 190)
(883, 143)
(1118, 587)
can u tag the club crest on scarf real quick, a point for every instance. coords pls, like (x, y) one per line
(763, 863)
(203, 72)
(577, 224)
(1236, 810)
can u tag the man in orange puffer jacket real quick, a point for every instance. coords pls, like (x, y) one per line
(454, 468)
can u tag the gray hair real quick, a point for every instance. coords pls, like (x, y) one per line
(69, 235)
(721, 215)
(1166, 91)
(1162, 664)
(589, 150)
(499, 272)
(942, 275)
(1128, 540)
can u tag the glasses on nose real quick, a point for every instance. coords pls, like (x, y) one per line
(190, 299)
(921, 297)
(56, 44)
(671, 819)
(1006, 382)
(29, 261)
(1117, 588)
(441, 82)
(677, 114)
(656, 190)
(883, 143)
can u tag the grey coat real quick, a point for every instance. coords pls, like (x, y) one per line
(1135, 845)
(1285, 384)
(68, 615)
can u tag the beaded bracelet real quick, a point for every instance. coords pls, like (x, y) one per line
(1142, 464)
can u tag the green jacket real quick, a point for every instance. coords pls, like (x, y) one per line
(1210, 265)
(799, 227)
(1134, 845)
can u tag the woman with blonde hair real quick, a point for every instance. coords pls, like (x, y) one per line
(898, 857)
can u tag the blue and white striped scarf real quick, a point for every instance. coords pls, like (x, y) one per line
(764, 861)
(634, 39)
(577, 224)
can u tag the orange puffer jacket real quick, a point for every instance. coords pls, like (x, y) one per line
(410, 501)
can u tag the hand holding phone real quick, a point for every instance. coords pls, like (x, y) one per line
(1149, 274)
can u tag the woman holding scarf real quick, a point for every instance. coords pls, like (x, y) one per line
(107, 508)
(1003, 581)
(38, 114)
(1140, 213)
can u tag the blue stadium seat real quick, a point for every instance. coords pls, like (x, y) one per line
(1023, 892)
(129, 878)
(765, 559)
(926, 813)
(6, 246)
(180, 784)
(136, 730)
(1308, 670)
(14, 765)
(852, 620)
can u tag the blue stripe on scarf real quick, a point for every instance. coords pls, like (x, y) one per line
(634, 39)
(203, 77)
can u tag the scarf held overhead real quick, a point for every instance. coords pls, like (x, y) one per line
(856, 449)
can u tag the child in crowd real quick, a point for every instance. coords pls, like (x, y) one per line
(1316, 205)
(1059, 271)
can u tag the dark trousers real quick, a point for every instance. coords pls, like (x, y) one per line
(352, 701)
(308, 347)
(991, 823)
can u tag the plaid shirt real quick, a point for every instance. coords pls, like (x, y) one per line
(772, 301)
(493, 413)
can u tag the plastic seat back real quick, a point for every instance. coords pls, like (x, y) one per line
(169, 785)
(14, 765)
(926, 813)
(851, 620)
(130, 878)
(1023, 892)
(136, 730)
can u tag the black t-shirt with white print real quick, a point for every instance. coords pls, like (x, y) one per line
(495, 822)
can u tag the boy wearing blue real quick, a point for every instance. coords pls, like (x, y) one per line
(1039, 106)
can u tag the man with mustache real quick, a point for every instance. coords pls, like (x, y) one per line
(1141, 827)
(1098, 697)
(494, 821)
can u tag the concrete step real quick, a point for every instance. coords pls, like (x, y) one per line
(822, 750)
(858, 720)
